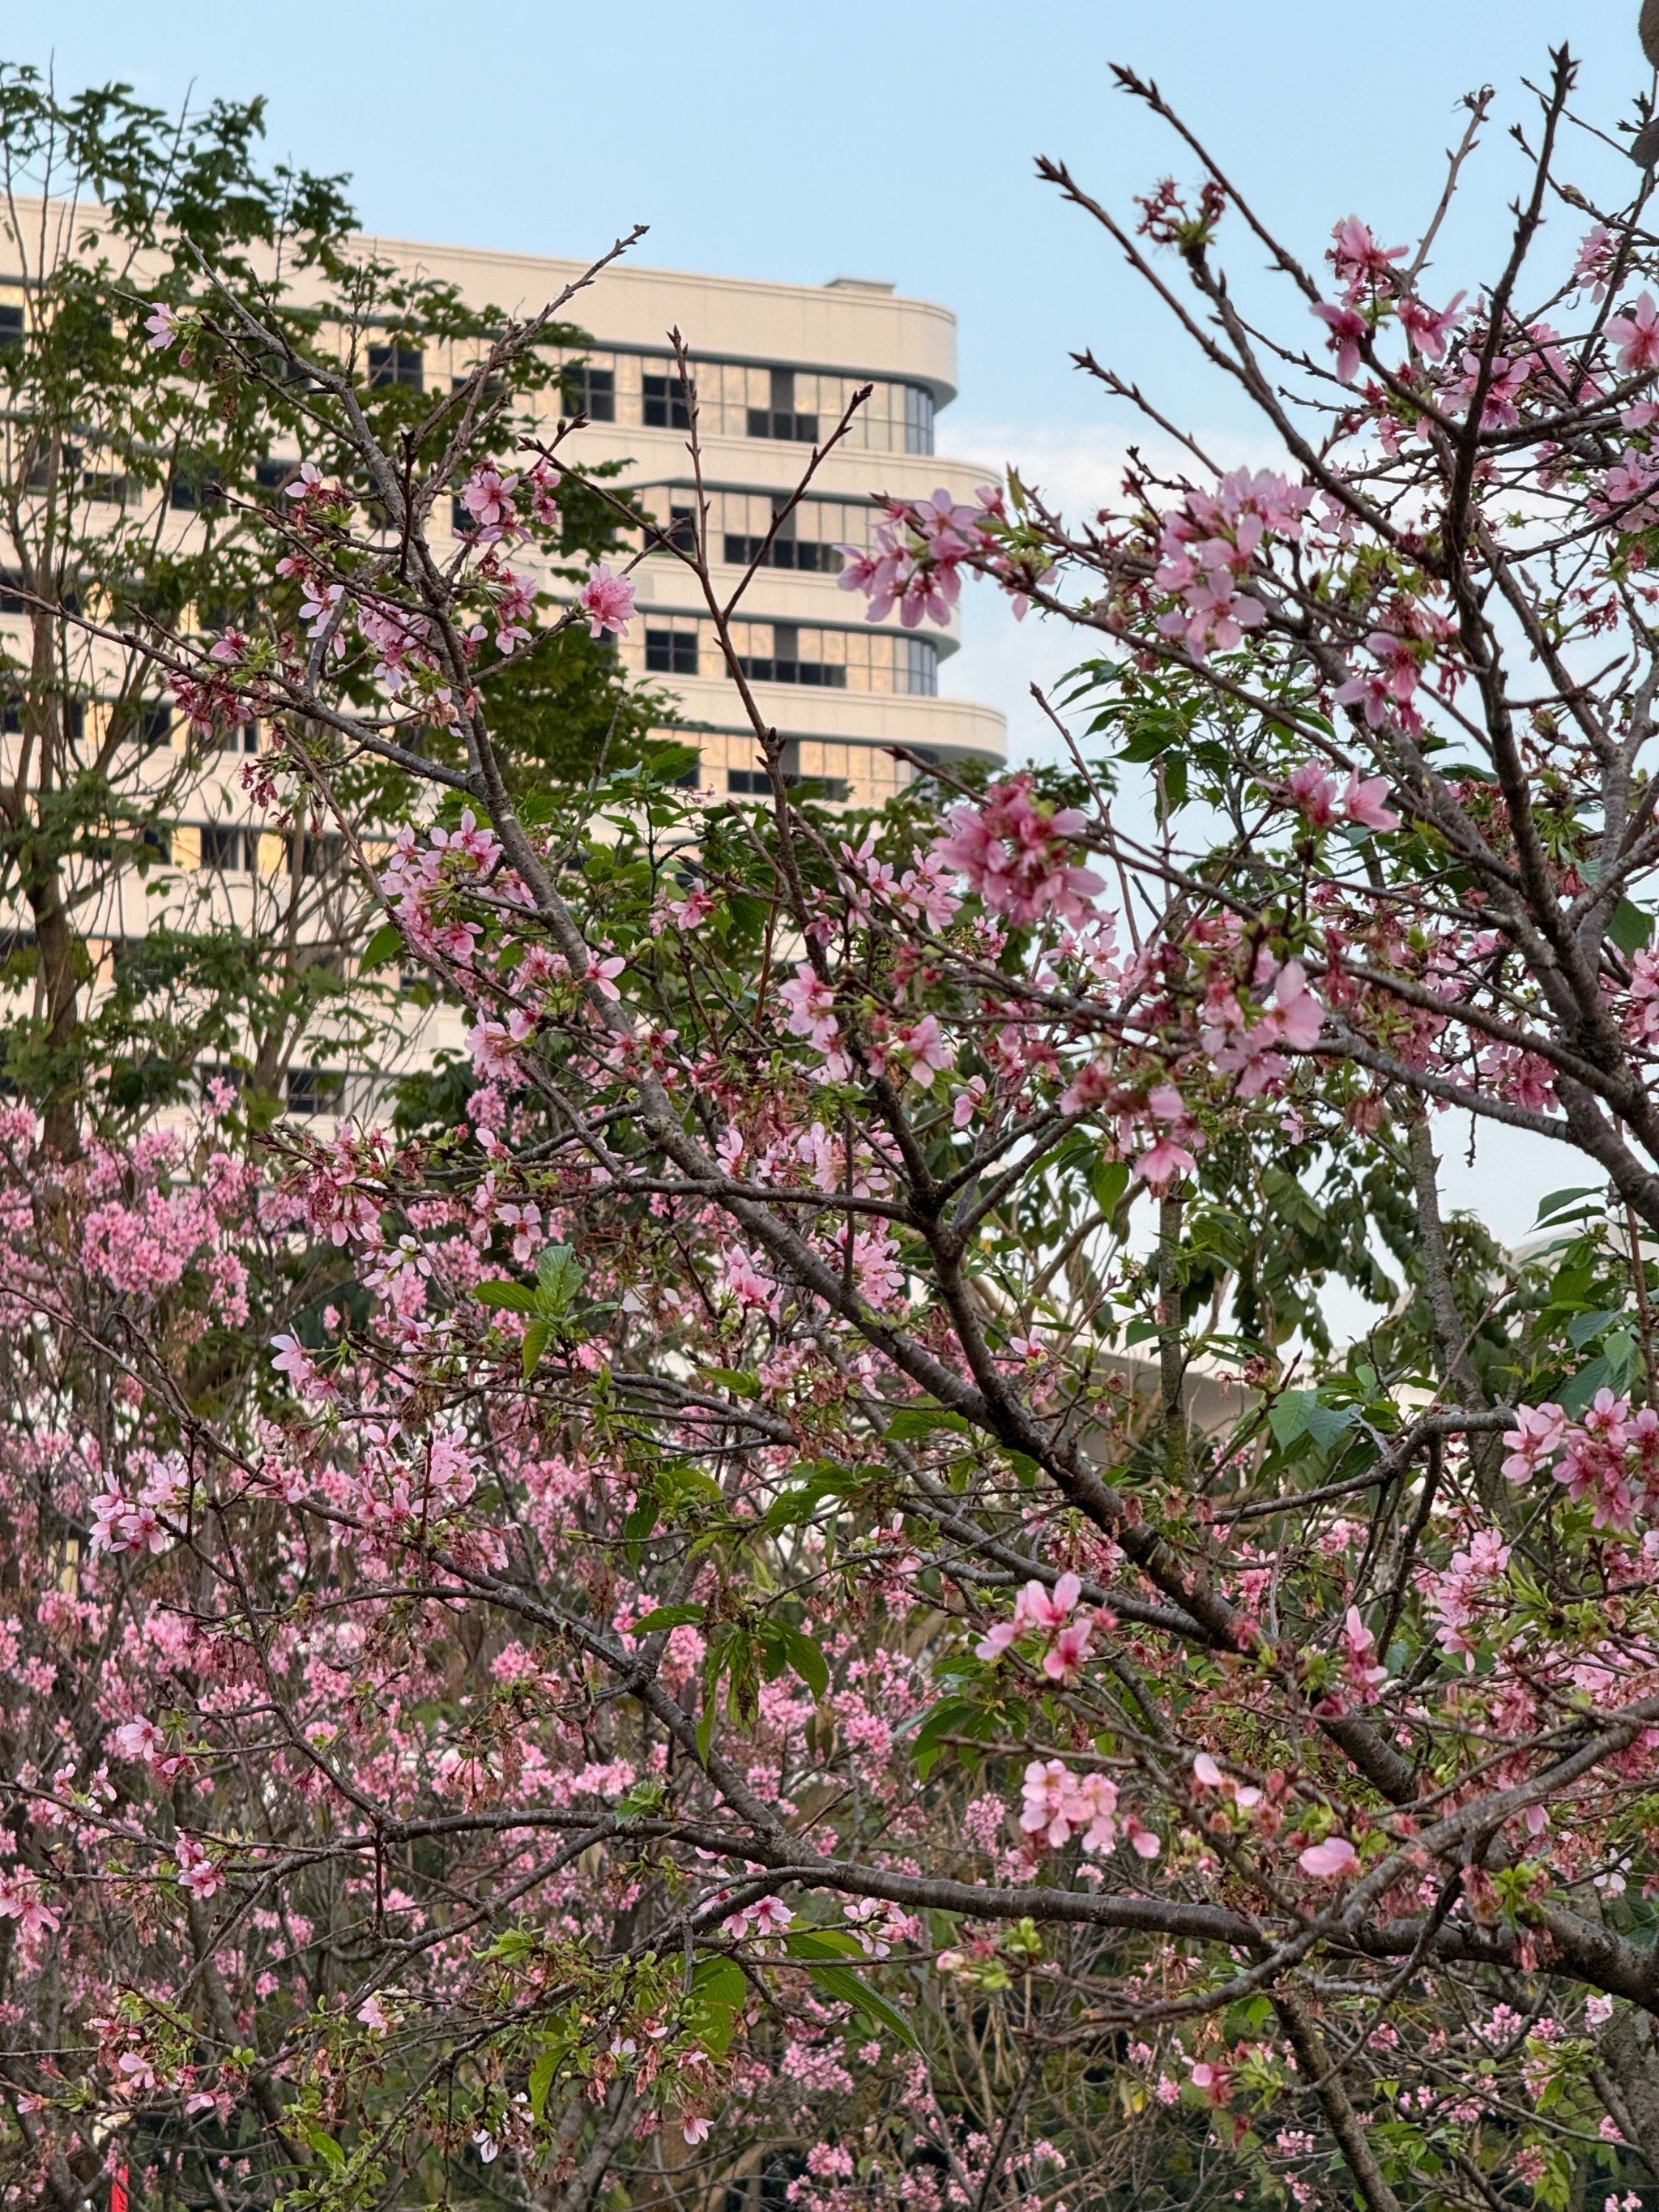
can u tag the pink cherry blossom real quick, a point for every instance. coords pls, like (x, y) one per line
(1349, 329)
(608, 602)
(1636, 336)
(1362, 802)
(1334, 1860)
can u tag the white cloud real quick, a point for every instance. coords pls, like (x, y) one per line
(1076, 470)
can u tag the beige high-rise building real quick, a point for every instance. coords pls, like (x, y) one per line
(774, 366)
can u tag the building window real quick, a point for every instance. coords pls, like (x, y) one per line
(315, 1090)
(223, 847)
(666, 403)
(593, 391)
(151, 725)
(271, 476)
(195, 485)
(801, 553)
(11, 326)
(918, 666)
(671, 652)
(785, 663)
(825, 656)
(781, 420)
(918, 419)
(755, 783)
(395, 364)
(315, 856)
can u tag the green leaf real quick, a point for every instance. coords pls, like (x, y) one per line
(668, 1616)
(1328, 1423)
(1108, 1182)
(382, 949)
(672, 764)
(541, 2076)
(847, 1988)
(913, 1421)
(808, 1943)
(808, 1661)
(728, 1378)
(535, 1343)
(515, 1297)
(1582, 1326)
(645, 1797)
(1575, 1395)
(558, 1279)
(951, 1717)
(1630, 928)
(722, 1981)
(1558, 1199)
(1287, 1417)
(324, 2145)
(1297, 1413)
(1619, 1350)
(790, 1506)
(719, 1992)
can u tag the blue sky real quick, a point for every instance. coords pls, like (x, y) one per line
(760, 140)
(893, 142)
(897, 143)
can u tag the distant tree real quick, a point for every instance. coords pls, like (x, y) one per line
(136, 494)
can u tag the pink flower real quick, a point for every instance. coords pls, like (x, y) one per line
(601, 974)
(1058, 1804)
(163, 327)
(1296, 1011)
(992, 1645)
(140, 1739)
(1347, 328)
(968, 1102)
(371, 2014)
(1598, 251)
(1334, 1860)
(1362, 802)
(1432, 331)
(196, 1871)
(1537, 1434)
(22, 1899)
(1215, 2081)
(1313, 791)
(487, 497)
(1171, 1153)
(1363, 1670)
(929, 1054)
(608, 602)
(1636, 336)
(1063, 1661)
(695, 2128)
(1016, 853)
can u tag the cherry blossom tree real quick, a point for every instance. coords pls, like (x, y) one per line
(802, 1604)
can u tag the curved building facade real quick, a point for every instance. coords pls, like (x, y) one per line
(774, 368)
